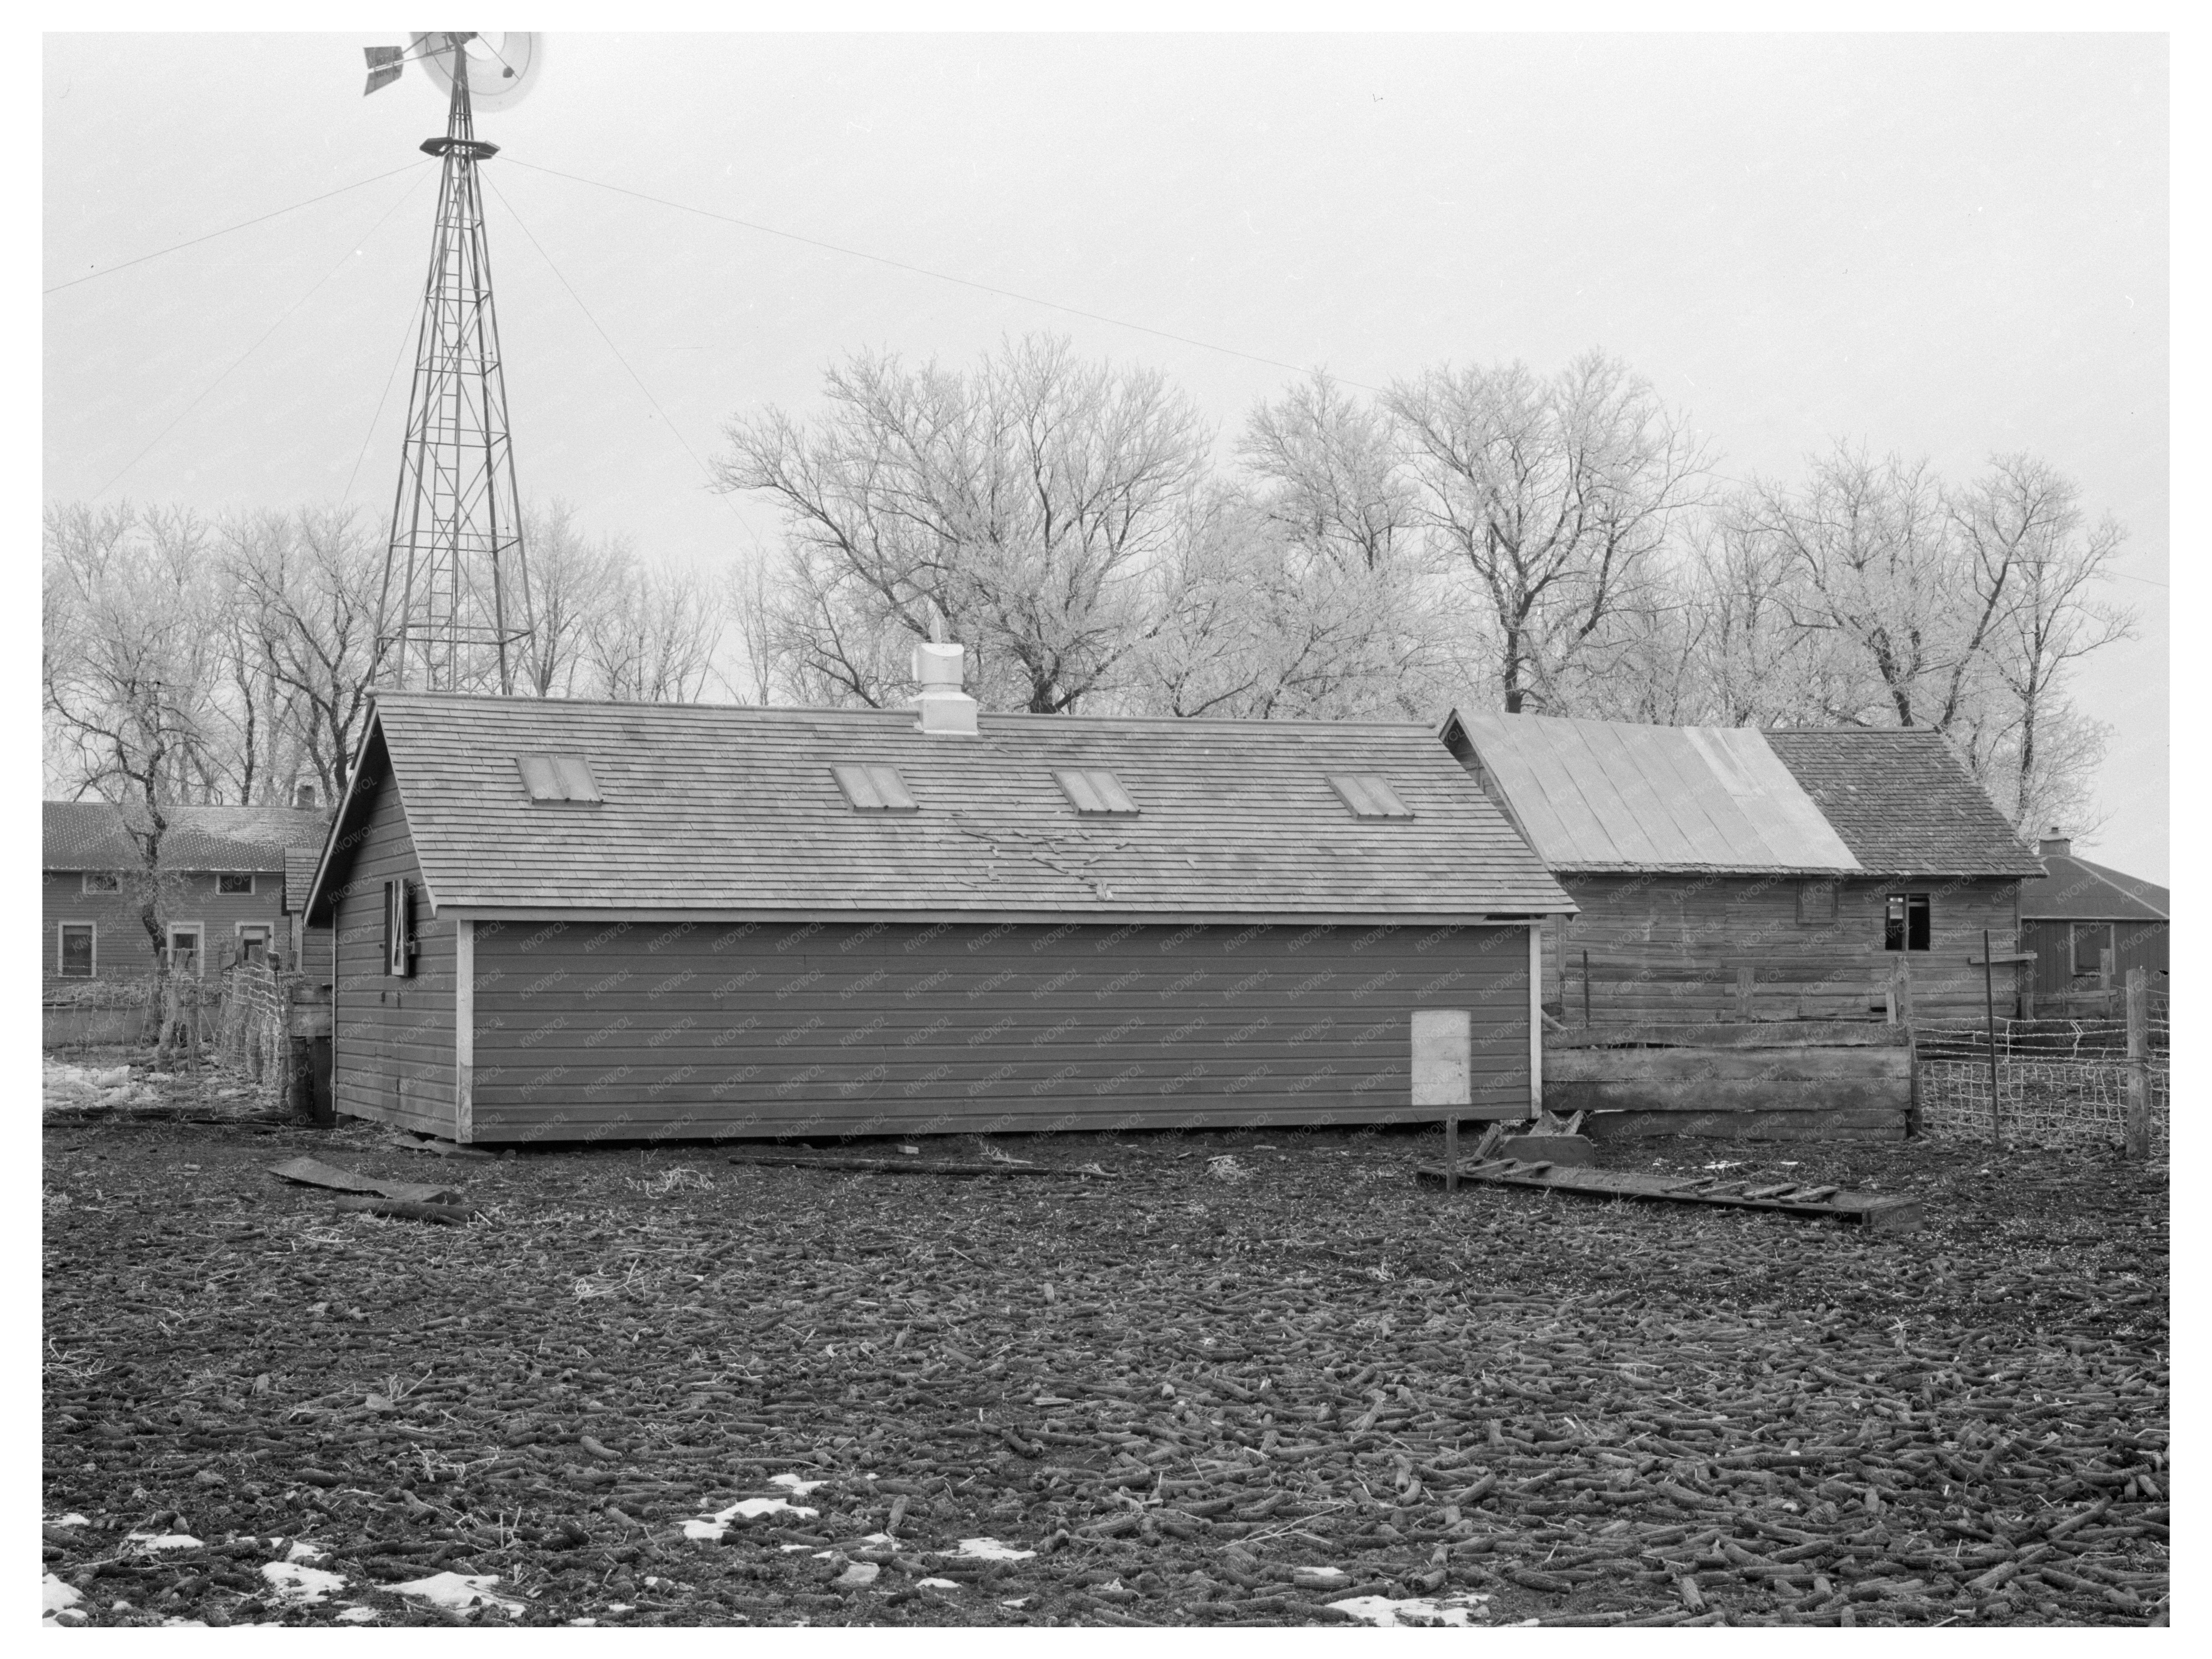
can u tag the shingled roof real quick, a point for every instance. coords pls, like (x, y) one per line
(727, 809)
(1903, 802)
(93, 835)
(1607, 796)
(2074, 889)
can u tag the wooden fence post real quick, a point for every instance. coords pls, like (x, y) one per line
(1990, 1013)
(1904, 993)
(2138, 1142)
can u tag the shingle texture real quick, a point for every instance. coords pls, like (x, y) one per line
(727, 808)
(2075, 890)
(1903, 803)
(92, 834)
(1607, 796)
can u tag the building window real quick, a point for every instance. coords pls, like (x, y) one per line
(1905, 923)
(557, 778)
(1096, 793)
(76, 960)
(253, 941)
(1816, 903)
(2087, 941)
(233, 886)
(875, 789)
(102, 881)
(398, 928)
(1369, 796)
(185, 948)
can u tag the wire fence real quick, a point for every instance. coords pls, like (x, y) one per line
(2060, 1083)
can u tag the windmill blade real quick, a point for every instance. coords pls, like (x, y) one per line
(384, 63)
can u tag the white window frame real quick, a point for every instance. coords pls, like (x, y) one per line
(241, 929)
(61, 930)
(222, 875)
(198, 931)
(85, 877)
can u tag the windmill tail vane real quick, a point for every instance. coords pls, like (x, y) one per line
(454, 612)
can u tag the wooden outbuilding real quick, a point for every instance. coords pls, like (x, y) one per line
(560, 919)
(1736, 874)
(2088, 925)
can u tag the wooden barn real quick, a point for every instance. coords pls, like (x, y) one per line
(566, 920)
(1728, 873)
(2088, 926)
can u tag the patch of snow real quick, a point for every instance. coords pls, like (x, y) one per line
(583, 1621)
(1727, 1163)
(72, 1519)
(788, 1548)
(621, 1606)
(164, 1540)
(990, 1549)
(301, 1550)
(706, 1531)
(1015, 1601)
(357, 1615)
(911, 1151)
(881, 1538)
(936, 1583)
(860, 1573)
(184, 1624)
(1386, 1613)
(1319, 1578)
(795, 1485)
(458, 1591)
(300, 1586)
(58, 1597)
(751, 1508)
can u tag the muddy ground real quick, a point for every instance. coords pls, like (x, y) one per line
(1297, 1387)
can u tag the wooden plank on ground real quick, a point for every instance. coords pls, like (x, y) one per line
(902, 1165)
(1876, 1212)
(311, 1172)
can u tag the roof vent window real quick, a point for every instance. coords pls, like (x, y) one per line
(557, 778)
(1369, 797)
(874, 789)
(1096, 793)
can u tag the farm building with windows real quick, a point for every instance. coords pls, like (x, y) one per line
(218, 895)
(2088, 925)
(1733, 874)
(565, 920)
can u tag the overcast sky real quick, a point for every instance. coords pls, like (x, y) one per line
(1948, 246)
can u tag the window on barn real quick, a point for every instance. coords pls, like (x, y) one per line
(102, 881)
(76, 960)
(557, 778)
(1905, 923)
(234, 885)
(875, 789)
(398, 928)
(1369, 797)
(2085, 943)
(252, 942)
(1096, 793)
(1816, 903)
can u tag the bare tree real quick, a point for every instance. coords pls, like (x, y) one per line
(1558, 496)
(573, 579)
(2024, 518)
(1325, 477)
(653, 636)
(131, 672)
(1026, 499)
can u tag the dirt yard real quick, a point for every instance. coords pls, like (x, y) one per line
(1247, 1378)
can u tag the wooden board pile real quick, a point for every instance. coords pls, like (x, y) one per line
(1178, 1398)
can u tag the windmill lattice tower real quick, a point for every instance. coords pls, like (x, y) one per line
(454, 612)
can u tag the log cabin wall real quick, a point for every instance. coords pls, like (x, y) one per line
(1663, 947)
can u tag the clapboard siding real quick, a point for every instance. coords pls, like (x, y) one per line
(651, 1029)
(122, 950)
(1662, 947)
(392, 1037)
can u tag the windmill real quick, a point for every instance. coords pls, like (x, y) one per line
(454, 612)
